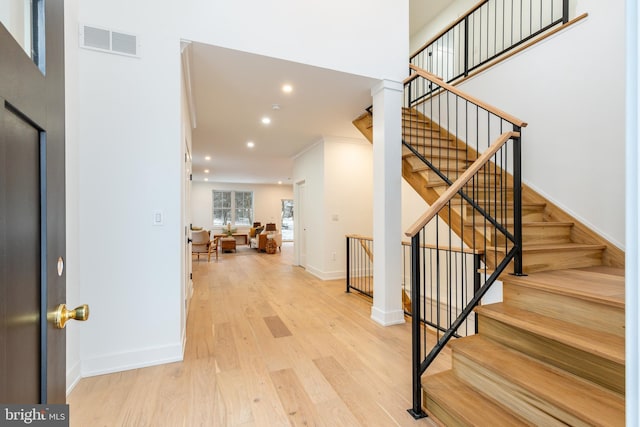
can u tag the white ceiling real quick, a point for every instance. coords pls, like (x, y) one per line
(231, 91)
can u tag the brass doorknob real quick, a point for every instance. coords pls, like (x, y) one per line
(62, 314)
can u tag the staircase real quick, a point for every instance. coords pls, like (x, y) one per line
(552, 238)
(552, 353)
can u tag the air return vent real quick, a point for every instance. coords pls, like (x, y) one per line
(110, 41)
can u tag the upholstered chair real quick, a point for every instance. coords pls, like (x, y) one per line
(201, 243)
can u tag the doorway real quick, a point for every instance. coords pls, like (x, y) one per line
(287, 224)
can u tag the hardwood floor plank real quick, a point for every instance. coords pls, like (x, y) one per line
(277, 327)
(334, 367)
(298, 406)
(234, 394)
(363, 402)
(224, 349)
(265, 403)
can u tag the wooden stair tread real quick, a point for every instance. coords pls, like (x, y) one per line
(552, 247)
(539, 384)
(509, 204)
(428, 149)
(529, 224)
(547, 223)
(448, 392)
(438, 153)
(415, 121)
(423, 167)
(587, 285)
(607, 346)
(479, 187)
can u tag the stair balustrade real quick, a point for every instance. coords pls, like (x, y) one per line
(360, 264)
(440, 316)
(487, 31)
(471, 152)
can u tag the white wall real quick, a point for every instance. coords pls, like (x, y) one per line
(129, 147)
(348, 199)
(573, 148)
(338, 177)
(413, 206)
(267, 206)
(128, 167)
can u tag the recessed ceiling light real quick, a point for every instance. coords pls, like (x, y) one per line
(287, 88)
(206, 171)
(250, 144)
(266, 120)
(207, 157)
(280, 182)
(206, 179)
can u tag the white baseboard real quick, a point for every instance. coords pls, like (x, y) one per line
(73, 376)
(141, 358)
(387, 318)
(326, 275)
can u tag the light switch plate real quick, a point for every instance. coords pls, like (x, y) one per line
(158, 218)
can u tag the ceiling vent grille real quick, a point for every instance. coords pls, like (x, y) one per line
(109, 41)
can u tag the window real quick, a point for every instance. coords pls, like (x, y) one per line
(235, 207)
(244, 208)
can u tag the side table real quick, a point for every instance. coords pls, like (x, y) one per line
(228, 244)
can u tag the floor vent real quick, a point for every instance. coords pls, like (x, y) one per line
(109, 41)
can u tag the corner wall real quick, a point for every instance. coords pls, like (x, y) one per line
(129, 167)
(338, 177)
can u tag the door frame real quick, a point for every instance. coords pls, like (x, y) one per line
(40, 98)
(299, 226)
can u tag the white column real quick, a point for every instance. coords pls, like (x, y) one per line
(387, 175)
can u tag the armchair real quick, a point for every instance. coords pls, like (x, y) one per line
(270, 232)
(201, 243)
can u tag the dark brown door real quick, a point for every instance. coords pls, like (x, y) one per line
(32, 205)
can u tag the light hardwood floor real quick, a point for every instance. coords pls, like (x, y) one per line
(267, 345)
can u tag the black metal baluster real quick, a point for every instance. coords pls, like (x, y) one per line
(416, 359)
(348, 265)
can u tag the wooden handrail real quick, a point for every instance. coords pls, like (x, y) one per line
(433, 78)
(358, 236)
(459, 183)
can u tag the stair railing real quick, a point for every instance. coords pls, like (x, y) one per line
(360, 264)
(360, 279)
(472, 153)
(488, 30)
